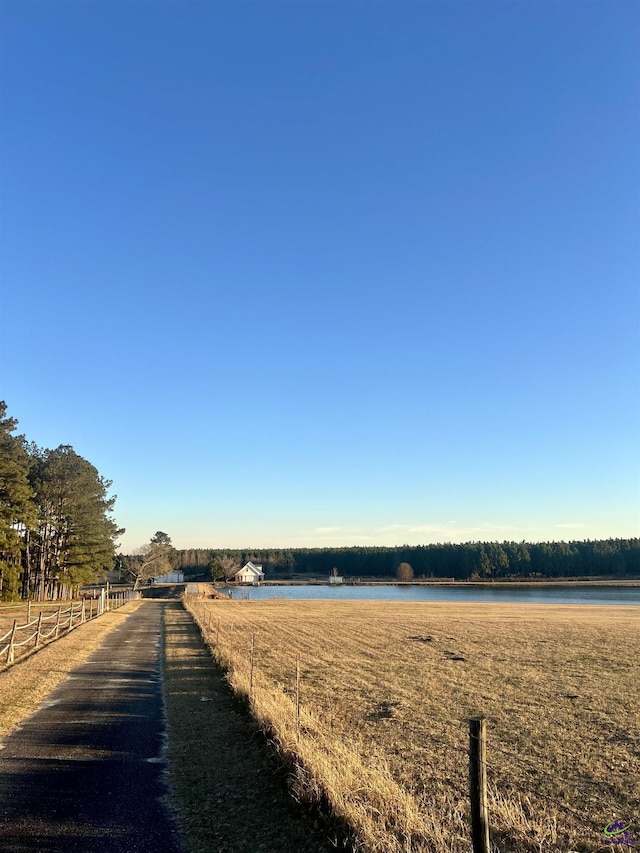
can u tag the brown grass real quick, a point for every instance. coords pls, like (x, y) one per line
(387, 690)
(43, 624)
(24, 686)
(11, 612)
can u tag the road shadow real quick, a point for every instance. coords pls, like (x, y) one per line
(229, 785)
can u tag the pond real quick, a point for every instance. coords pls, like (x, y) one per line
(530, 594)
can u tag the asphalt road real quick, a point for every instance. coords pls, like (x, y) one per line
(85, 772)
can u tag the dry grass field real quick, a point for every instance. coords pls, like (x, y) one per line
(386, 690)
(41, 622)
(22, 612)
(19, 612)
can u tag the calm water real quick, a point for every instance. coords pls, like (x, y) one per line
(528, 594)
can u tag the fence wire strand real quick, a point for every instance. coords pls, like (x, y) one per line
(558, 779)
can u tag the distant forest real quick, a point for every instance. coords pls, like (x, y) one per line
(616, 558)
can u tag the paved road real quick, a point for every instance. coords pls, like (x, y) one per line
(85, 772)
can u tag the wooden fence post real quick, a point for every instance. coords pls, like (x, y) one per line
(29, 610)
(38, 630)
(58, 621)
(10, 658)
(478, 785)
(83, 615)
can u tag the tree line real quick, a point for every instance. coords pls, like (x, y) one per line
(617, 558)
(57, 530)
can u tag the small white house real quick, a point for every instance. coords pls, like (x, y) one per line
(172, 577)
(335, 580)
(250, 574)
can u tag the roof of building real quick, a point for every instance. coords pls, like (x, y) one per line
(250, 567)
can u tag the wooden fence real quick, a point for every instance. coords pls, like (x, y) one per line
(21, 640)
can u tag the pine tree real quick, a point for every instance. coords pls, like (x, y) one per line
(17, 508)
(75, 540)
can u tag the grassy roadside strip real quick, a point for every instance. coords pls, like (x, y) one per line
(28, 682)
(357, 790)
(228, 789)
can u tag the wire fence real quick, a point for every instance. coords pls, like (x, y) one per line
(602, 816)
(25, 639)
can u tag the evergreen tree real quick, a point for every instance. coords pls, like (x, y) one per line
(17, 508)
(76, 533)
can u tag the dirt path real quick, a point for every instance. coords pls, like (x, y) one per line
(232, 796)
(85, 772)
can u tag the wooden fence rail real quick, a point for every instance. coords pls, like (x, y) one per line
(15, 643)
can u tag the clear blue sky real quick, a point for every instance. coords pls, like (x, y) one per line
(317, 273)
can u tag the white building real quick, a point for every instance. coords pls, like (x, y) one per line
(335, 580)
(250, 574)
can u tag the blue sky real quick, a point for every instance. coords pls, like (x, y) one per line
(325, 273)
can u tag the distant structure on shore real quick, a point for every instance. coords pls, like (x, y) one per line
(335, 579)
(172, 577)
(249, 574)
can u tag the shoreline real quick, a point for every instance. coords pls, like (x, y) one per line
(560, 582)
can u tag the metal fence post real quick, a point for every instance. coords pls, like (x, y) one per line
(253, 646)
(298, 696)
